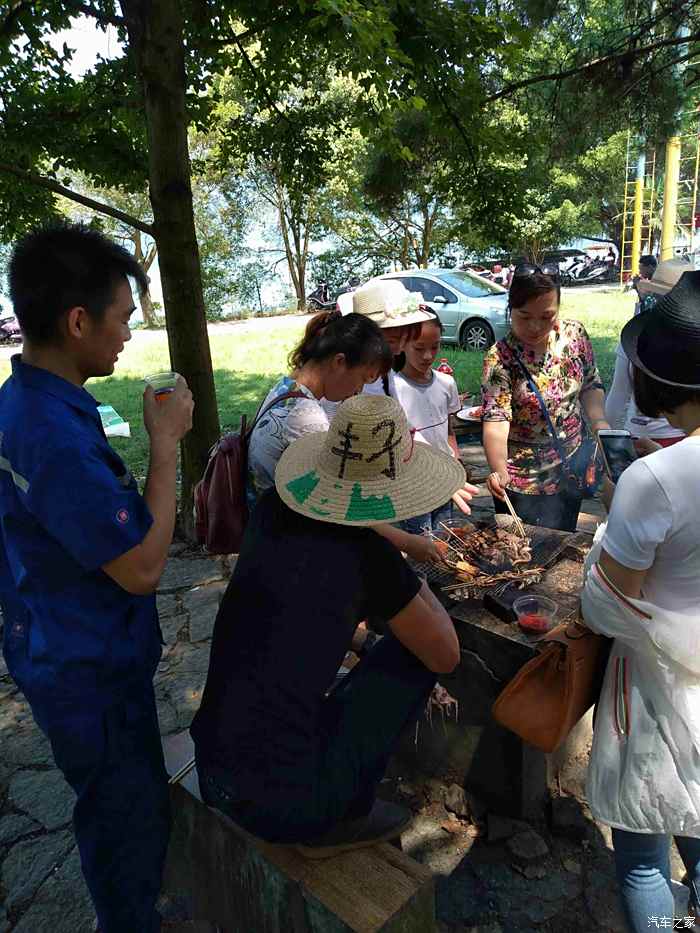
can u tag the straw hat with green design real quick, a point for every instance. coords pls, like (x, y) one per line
(366, 469)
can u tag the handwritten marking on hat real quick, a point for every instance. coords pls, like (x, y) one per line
(360, 507)
(302, 487)
(389, 446)
(346, 452)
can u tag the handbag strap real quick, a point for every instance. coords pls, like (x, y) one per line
(543, 408)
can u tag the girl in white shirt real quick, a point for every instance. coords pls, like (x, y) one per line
(428, 398)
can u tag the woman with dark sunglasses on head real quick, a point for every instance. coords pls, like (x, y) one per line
(538, 384)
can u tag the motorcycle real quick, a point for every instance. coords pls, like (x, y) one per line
(9, 331)
(320, 299)
(584, 271)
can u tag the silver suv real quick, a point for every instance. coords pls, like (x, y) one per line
(473, 311)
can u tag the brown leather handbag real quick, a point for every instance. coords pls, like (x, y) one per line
(549, 694)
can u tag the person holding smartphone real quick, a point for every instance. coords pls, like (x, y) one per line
(538, 384)
(643, 590)
(620, 408)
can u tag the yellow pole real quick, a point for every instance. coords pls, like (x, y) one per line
(636, 246)
(670, 209)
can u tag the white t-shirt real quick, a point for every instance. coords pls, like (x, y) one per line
(654, 524)
(377, 387)
(621, 411)
(371, 388)
(428, 406)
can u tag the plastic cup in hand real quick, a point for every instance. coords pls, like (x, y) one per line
(162, 384)
(535, 614)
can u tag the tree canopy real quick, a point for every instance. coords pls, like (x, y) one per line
(461, 120)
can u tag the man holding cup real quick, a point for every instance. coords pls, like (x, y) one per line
(81, 554)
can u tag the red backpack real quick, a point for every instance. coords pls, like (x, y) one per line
(220, 497)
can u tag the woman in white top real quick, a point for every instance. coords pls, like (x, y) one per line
(400, 315)
(620, 408)
(644, 590)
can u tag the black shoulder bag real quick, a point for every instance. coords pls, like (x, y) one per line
(581, 471)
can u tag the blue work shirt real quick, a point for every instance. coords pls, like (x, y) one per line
(68, 505)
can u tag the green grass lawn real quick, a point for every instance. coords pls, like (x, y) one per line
(247, 362)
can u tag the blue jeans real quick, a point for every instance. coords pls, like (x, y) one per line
(428, 522)
(644, 875)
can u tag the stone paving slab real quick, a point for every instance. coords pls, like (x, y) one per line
(181, 574)
(29, 863)
(62, 904)
(202, 605)
(14, 827)
(44, 795)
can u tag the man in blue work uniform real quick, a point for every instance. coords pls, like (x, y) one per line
(81, 553)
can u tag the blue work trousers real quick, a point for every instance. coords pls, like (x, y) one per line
(113, 760)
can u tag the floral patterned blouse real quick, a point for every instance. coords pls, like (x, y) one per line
(565, 371)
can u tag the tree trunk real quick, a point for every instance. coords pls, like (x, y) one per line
(147, 310)
(149, 315)
(291, 252)
(156, 38)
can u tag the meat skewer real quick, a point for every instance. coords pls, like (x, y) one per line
(447, 544)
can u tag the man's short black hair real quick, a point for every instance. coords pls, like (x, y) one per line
(63, 266)
(648, 260)
(655, 399)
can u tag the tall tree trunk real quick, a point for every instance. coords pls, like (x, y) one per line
(149, 314)
(291, 251)
(156, 35)
(299, 259)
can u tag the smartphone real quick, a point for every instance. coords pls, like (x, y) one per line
(617, 448)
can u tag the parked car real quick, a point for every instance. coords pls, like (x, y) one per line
(473, 310)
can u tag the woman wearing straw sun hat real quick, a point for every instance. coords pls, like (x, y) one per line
(620, 409)
(400, 315)
(643, 589)
(283, 757)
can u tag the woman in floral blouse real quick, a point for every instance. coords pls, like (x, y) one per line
(518, 444)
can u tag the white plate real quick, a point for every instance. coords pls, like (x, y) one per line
(467, 414)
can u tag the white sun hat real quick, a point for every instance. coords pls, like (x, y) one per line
(389, 304)
(366, 469)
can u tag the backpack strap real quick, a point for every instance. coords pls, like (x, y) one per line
(262, 411)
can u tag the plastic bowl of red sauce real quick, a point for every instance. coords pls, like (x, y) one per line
(535, 614)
